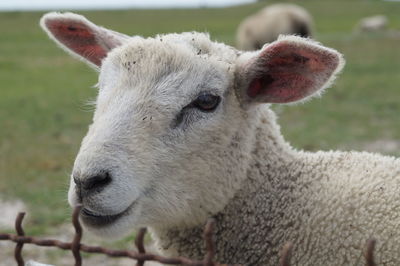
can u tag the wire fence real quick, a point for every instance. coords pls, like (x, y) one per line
(141, 256)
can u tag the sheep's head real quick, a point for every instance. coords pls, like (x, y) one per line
(172, 131)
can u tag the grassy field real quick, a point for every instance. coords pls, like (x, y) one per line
(43, 92)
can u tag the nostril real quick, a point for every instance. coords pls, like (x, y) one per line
(77, 181)
(93, 182)
(98, 181)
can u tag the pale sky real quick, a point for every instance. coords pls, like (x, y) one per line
(112, 4)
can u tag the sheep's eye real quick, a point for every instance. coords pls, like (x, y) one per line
(206, 102)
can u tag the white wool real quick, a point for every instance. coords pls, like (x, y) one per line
(266, 25)
(328, 204)
(232, 164)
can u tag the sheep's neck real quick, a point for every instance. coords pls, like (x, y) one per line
(310, 199)
(254, 206)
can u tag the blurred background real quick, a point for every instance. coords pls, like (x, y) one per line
(44, 92)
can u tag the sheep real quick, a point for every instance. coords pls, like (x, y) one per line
(266, 25)
(373, 24)
(183, 131)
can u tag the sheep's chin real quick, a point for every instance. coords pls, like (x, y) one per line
(121, 227)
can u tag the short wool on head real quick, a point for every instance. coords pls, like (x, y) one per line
(183, 131)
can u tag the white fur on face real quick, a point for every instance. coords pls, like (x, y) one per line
(163, 169)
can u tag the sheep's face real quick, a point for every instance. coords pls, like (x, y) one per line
(171, 134)
(160, 131)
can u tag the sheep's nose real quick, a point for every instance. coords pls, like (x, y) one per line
(92, 183)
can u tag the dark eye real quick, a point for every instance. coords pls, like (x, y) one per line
(206, 102)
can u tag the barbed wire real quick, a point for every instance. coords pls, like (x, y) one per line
(369, 253)
(77, 247)
(141, 256)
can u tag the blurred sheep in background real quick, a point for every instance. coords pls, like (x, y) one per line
(373, 24)
(266, 25)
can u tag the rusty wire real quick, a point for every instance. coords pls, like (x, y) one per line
(141, 256)
(369, 253)
(286, 254)
(139, 240)
(76, 242)
(20, 245)
(77, 247)
(210, 247)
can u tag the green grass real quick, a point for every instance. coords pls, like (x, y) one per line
(43, 92)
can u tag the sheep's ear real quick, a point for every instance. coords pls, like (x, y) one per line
(79, 36)
(288, 70)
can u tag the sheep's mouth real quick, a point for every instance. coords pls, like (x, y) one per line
(92, 219)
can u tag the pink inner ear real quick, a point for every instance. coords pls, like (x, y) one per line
(79, 38)
(290, 72)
